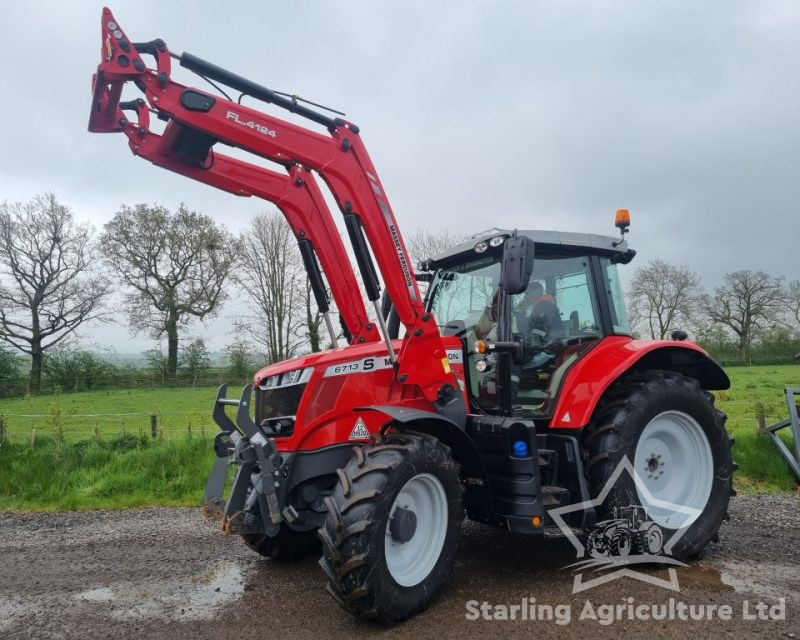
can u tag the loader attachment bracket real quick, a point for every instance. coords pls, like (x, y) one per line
(248, 452)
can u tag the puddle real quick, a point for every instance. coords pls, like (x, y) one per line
(765, 581)
(773, 580)
(196, 597)
(103, 594)
(702, 577)
(216, 587)
(9, 612)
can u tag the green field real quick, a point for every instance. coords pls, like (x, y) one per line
(755, 391)
(84, 415)
(86, 458)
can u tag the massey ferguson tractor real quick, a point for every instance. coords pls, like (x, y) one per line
(514, 387)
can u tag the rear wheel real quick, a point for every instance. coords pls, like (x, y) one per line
(674, 438)
(287, 545)
(652, 539)
(392, 529)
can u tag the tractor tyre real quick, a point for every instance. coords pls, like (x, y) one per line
(651, 540)
(674, 438)
(287, 545)
(620, 544)
(392, 529)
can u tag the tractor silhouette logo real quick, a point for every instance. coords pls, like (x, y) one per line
(628, 539)
(628, 532)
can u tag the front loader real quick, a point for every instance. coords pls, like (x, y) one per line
(512, 390)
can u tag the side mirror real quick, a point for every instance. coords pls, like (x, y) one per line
(517, 264)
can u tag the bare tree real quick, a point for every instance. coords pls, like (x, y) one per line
(47, 285)
(747, 303)
(423, 244)
(661, 296)
(313, 318)
(174, 265)
(275, 283)
(793, 300)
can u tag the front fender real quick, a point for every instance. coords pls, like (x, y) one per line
(590, 377)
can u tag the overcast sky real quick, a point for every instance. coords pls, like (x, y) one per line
(530, 114)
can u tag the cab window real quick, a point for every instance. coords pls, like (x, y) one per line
(558, 319)
(616, 298)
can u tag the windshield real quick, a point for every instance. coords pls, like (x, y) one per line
(465, 297)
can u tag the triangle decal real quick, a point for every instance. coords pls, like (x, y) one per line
(360, 431)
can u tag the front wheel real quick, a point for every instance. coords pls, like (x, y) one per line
(392, 529)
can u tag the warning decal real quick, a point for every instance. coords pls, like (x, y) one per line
(359, 431)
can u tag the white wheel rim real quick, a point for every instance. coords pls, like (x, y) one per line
(410, 562)
(675, 464)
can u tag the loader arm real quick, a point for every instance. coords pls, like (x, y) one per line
(199, 120)
(296, 194)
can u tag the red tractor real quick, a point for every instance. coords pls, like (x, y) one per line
(512, 388)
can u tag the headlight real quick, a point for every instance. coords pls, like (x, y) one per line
(497, 241)
(298, 376)
(481, 247)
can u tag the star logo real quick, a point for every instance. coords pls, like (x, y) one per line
(620, 564)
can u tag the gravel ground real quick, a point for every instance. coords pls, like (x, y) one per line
(169, 573)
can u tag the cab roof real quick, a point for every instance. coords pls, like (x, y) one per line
(554, 240)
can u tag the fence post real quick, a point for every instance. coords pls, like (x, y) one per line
(154, 425)
(2, 427)
(33, 438)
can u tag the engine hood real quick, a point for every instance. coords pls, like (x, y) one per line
(325, 358)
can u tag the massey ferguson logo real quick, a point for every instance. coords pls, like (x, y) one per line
(250, 124)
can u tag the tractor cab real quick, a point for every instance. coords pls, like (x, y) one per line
(522, 334)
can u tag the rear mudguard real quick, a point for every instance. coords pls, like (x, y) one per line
(473, 471)
(590, 377)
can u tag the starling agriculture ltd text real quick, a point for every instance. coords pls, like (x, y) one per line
(527, 609)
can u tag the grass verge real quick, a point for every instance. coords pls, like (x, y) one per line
(126, 471)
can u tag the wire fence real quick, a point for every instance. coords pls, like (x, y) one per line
(32, 427)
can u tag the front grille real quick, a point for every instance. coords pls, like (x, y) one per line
(279, 402)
